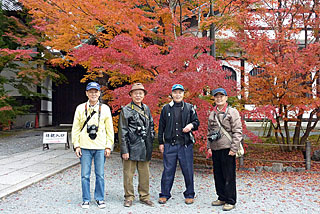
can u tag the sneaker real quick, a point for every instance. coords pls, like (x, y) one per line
(162, 200)
(101, 204)
(218, 203)
(228, 207)
(85, 205)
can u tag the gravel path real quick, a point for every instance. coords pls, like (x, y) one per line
(20, 141)
(257, 193)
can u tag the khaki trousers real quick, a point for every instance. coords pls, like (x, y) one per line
(129, 168)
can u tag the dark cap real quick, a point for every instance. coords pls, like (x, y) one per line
(219, 90)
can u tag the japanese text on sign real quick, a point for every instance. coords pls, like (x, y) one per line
(55, 137)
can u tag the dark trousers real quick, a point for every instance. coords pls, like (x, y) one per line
(224, 171)
(171, 154)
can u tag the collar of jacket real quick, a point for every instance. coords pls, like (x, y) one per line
(90, 106)
(172, 103)
(224, 109)
(141, 107)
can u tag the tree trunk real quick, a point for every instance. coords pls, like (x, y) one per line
(287, 140)
(278, 131)
(309, 126)
(296, 135)
(180, 18)
(212, 33)
(172, 6)
(270, 129)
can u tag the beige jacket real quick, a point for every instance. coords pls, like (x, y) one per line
(231, 121)
(105, 134)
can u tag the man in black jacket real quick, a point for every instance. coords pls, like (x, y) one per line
(177, 121)
(136, 135)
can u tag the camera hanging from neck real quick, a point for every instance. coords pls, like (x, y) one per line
(99, 113)
(90, 116)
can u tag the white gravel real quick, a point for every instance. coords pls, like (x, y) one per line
(20, 141)
(257, 193)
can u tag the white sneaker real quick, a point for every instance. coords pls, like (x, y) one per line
(85, 205)
(101, 204)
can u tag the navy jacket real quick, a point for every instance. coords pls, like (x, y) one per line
(166, 123)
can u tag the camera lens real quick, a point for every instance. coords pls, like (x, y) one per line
(92, 131)
(92, 136)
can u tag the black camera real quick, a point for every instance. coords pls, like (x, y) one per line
(214, 136)
(92, 130)
(141, 131)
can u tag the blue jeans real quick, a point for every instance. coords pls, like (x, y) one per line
(86, 162)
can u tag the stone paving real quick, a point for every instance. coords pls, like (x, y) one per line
(23, 169)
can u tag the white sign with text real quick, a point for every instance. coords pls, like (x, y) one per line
(55, 137)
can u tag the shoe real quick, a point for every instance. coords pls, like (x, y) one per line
(189, 201)
(85, 205)
(147, 202)
(218, 203)
(228, 207)
(162, 200)
(127, 203)
(101, 204)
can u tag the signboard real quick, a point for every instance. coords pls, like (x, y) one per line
(55, 137)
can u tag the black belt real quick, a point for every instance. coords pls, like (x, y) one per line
(177, 141)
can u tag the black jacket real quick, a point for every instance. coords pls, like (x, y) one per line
(131, 138)
(166, 123)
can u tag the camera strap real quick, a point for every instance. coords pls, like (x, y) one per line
(240, 151)
(90, 116)
(222, 128)
(139, 110)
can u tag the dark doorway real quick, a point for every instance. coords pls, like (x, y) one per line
(66, 96)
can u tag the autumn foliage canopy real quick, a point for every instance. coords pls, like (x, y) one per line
(122, 42)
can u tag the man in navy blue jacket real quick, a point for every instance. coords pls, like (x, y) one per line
(177, 121)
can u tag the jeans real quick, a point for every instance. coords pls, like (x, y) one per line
(86, 162)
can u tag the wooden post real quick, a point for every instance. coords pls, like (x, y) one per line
(212, 32)
(241, 161)
(308, 155)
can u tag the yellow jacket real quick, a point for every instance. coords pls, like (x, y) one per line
(105, 134)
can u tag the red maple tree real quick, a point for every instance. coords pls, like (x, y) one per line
(280, 39)
(121, 42)
(188, 64)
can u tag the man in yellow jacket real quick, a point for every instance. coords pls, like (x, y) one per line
(92, 138)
